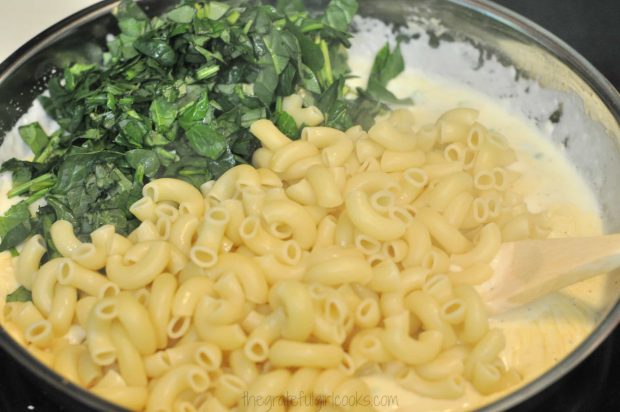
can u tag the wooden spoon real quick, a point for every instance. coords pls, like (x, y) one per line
(528, 269)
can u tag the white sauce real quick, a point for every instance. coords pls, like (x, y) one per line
(14, 147)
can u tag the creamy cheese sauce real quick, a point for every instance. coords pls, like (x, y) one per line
(542, 333)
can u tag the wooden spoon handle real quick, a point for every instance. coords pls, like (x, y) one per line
(526, 270)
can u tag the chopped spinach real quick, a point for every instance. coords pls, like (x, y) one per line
(21, 294)
(174, 97)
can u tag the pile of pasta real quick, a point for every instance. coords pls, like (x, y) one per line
(339, 255)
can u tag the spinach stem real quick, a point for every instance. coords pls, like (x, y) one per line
(312, 27)
(327, 68)
(36, 196)
(207, 71)
(42, 180)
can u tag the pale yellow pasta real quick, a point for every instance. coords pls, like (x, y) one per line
(66, 362)
(299, 169)
(426, 309)
(436, 261)
(385, 277)
(475, 322)
(88, 281)
(242, 366)
(368, 221)
(473, 275)
(370, 182)
(344, 254)
(456, 211)
(302, 193)
(294, 216)
(485, 350)
(173, 383)
(39, 334)
(63, 237)
(336, 146)
(29, 260)
(349, 388)
(159, 306)
(88, 371)
(455, 152)
(256, 349)
(484, 251)
(325, 233)
(83, 308)
(146, 231)
(300, 386)
(130, 362)
(518, 228)
(182, 232)
(286, 156)
(269, 179)
(419, 243)
(144, 209)
(447, 188)
(227, 337)
(211, 404)
(167, 210)
(228, 389)
(137, 323)
(250, 276)
(89, 256)
(268, 386)
(367, 346)
(99, 341)
(427, 136)
(130, 397)
(339, 270)
(451, 387)
(327, 381)
(229, 307)
(119, 245)
(396, 250)
(63, 309)
(438, 287)
(405, 348)
(189, 293)
(256, 238)
(213, 228)
(268, 134)
(261, 158)
(398, 161)
(367, 313)
(139, 274)
(233, 181)
(287, 353)
(275, 270)
(324, 187)
(43, 285)
(298, 309)
(392, 303)
(326, 330)
(384, 133)
(184, 194)
(448, 236)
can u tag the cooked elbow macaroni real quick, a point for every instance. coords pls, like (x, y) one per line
(345, 252)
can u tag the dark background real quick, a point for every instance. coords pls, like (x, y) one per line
(592, 27)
